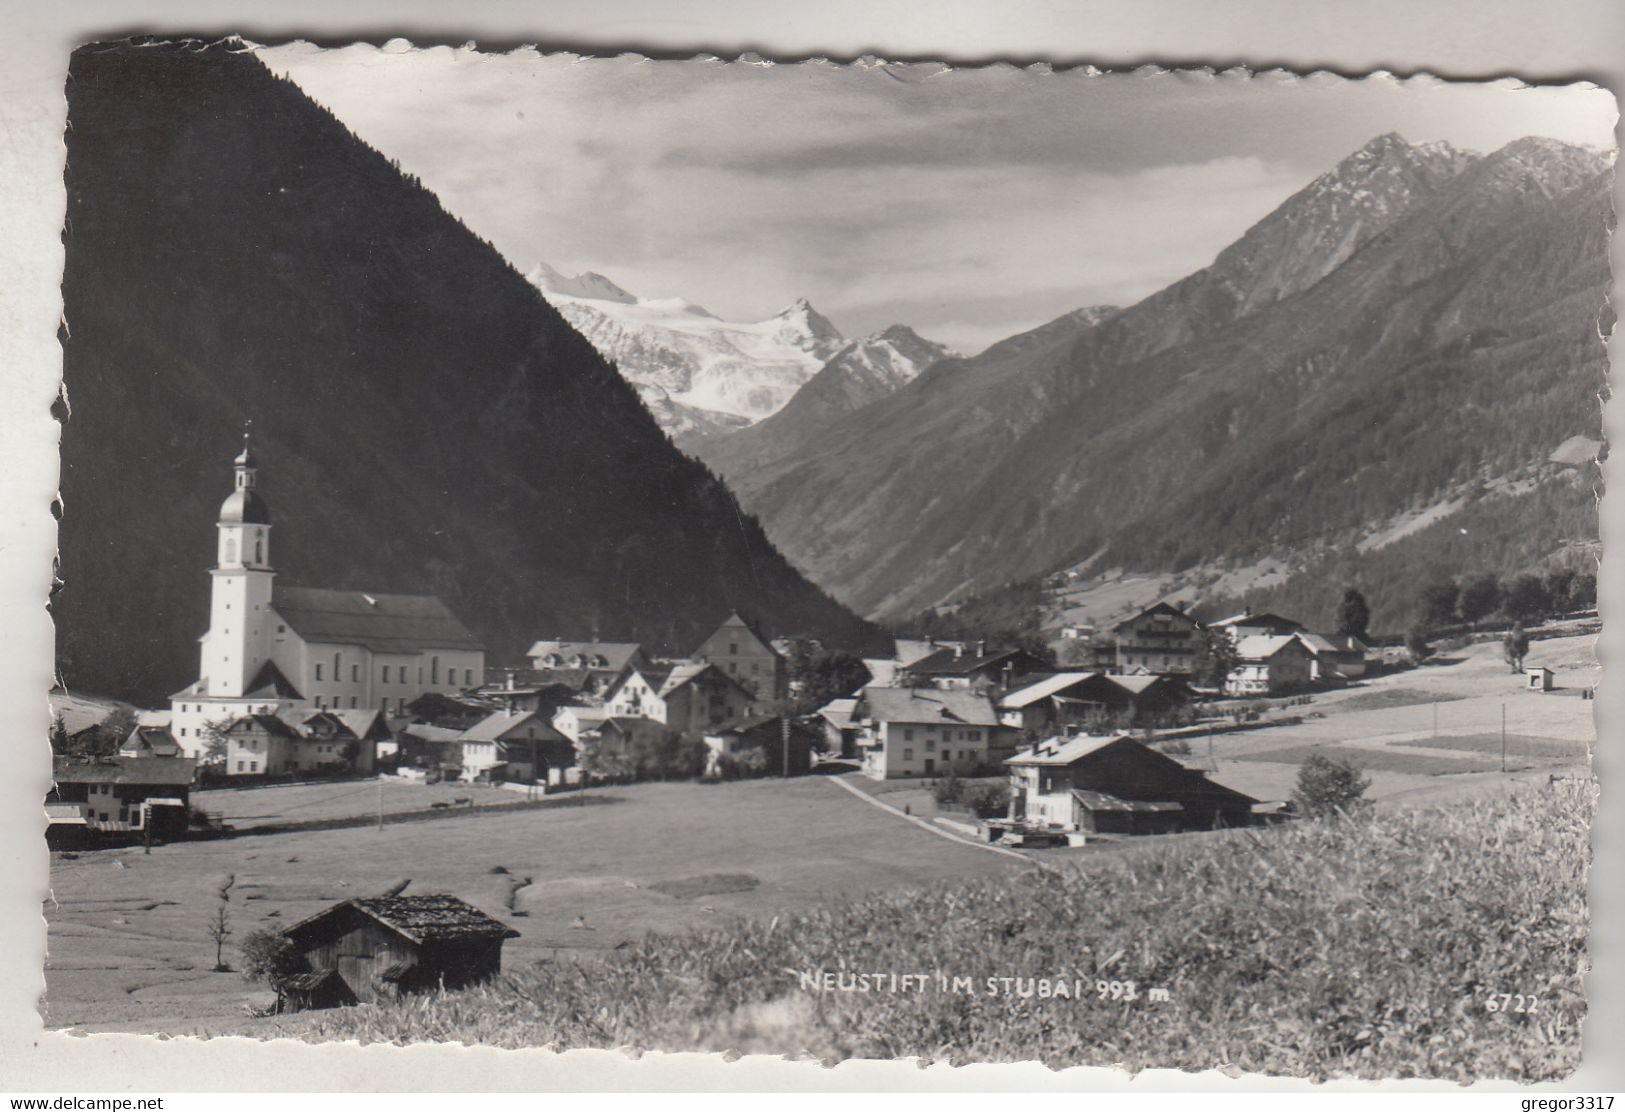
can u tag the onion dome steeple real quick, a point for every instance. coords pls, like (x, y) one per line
(244, 506)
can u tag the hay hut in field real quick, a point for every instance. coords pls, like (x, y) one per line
(372, 949)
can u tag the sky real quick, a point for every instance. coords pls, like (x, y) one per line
(968, 203)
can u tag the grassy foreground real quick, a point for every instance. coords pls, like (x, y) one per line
(1370, 946)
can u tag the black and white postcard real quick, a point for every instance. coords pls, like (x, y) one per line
(856, 561)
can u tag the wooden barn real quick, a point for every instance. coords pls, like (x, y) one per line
(372, 949)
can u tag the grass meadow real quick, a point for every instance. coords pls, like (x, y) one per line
(1374, 946)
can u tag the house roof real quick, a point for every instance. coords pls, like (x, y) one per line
(382, 623)
(1317, 644)
(1101, 801)
(949, 662)
(584, 714)
(1063, 751)
(151, 739)
(838, 712)
(1262, 646)
(1159, 608)
(425, 732)
(687, 673)
(419, 919)
(1137, 683)
(753, 722)
(928, 705)
(597, 655)
(286, 724)
(1044, 688)
(168, 771)
(495, 727)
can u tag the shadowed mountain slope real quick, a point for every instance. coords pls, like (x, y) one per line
(1415, 319)
(425, 421)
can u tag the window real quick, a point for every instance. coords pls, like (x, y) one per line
(908, 734)
(468, 676)
(337, 670)
(434, 669)
(253, 766)
(908, 754)
(318, 699)
(318, 675)
(183, 731)
(259, 549)
(282, 629)
(975, 735)
(930, 745)
(239, 766)
(385, 678)
(352, 702)
(733, 648)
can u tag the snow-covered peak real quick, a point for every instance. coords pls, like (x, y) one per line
(800, 317)
(586, 285)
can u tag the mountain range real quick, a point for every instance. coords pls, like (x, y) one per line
(425, 421)
(696, 372)
(1415, 329)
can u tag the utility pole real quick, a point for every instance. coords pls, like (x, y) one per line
(784, 739)
(380, 804)
(1503, 737)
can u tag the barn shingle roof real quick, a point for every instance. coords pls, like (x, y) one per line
(419, 919)
(382, 623)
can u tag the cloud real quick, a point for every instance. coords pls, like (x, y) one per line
(969, 203)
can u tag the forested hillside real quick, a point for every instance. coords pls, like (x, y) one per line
(425, 421)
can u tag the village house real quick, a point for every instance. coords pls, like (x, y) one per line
(928, 732)
(840, 728)
(1270, 666)
(271, 647)
(587, 667)
(1248, 624)
(1112, 784)
(366, 951)
(515, 746)
(780, 741)
(746, 657)
(688, 699)
(113, 798)
(150, 737)
(294, 741)
(1162, 640)
(965, 667)
(424, 745)
(1334, 657)
(1054, 703)
(576, 721)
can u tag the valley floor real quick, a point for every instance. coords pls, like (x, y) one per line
(127, 930)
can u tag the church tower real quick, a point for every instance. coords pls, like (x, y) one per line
(239, 639)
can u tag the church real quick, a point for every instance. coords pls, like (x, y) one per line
(273, 649)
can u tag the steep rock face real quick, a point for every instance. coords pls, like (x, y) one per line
(862, 372)
(425, 421)
(696, 372)
(1345, 359)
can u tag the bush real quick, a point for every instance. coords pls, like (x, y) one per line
(1416, 643)
(1326, 785)
(948, 789)
(987, 800)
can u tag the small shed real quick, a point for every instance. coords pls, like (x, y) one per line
(372, 949)
(1539, 679)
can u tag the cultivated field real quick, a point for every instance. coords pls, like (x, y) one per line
(1387, 945)
(129, 951)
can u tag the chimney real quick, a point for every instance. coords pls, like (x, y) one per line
(981, 648)
(959, 649)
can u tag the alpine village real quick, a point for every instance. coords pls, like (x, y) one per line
(377, 684)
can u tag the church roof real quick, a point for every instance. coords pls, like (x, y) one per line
(270, 683)
(382, 623)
